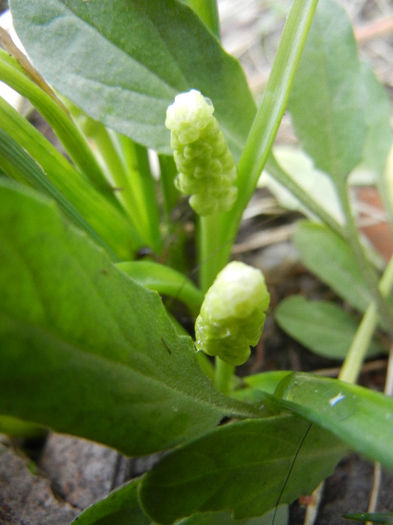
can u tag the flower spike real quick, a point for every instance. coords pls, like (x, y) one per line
(206, 167)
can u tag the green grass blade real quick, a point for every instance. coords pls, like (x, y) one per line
(68, 133)
(105, 218)
(15, 161)
(268, 118)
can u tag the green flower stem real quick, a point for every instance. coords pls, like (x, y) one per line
(117, 170)
(208, 12)
(209, 250)
(68, 133)
(276, 171)
(369, 273)
(268, 117)
(223, 376)
(171, 194)
(358, 349)
(106, 219)
(143, 188)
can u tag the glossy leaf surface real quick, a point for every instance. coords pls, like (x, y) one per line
(359, 416)
(321, 326)
(241, 467)
(86, 350)
(123, 62)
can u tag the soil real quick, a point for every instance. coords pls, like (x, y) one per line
(50, 481)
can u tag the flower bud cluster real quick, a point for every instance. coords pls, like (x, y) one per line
(232, 314)
(206, 167)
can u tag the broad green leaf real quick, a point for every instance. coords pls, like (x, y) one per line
(123, 62)
(207, 10)
(331, 259)
(240, 467)
(362, 418)
(120, 507)
(377, 110)
(318, 186)
(280, 517)
(327, 100)
(86, 350)
(323, 327)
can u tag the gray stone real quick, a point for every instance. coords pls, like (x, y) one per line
(27, 498)
(81, 471)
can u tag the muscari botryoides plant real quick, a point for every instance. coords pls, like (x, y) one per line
(87, 345)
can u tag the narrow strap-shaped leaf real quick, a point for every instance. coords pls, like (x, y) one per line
(15, 157)
(267, 120)
(107, 220)
(66, 130)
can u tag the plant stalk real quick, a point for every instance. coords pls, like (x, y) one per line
(383, 307)
(210, 250)
(269, 115)
(223, 376)
(357, 352)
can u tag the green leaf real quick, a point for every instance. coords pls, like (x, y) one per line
(123, 62)
(331, 259)
(86, 350)
(323, 327)
(224, 518)
(241, 467)
(69, 134)
(108, 221)
(266, 122)
(327, 100)
(164, 280)
(299, 168)
(15, 162)
(16, 428)
(373, 517)
(120, 507)
(360, 417)
(377, 109)
(257, 384)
